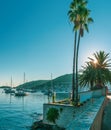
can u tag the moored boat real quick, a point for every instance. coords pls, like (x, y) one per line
(20, 93)
(9, 90)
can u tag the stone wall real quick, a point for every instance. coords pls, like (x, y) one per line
(85, 95)
(91, 118)
(97, 123)
(99, 92)
(66, 115)
(71, 114)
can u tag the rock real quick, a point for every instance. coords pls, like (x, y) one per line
(39, 125)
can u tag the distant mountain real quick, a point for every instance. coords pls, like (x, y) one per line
(32, 84)
(5, 86)
(62, 83)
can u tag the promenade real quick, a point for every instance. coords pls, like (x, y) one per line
(106, 123)
(88, 118)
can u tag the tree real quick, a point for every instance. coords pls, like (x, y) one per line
(96, 71)
(79, 16)
(87, 77)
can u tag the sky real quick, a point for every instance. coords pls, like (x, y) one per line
(36, 37)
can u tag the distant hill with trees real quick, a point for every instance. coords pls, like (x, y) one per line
(62, 83)
(5, 86)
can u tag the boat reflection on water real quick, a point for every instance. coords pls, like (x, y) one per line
(21, 93)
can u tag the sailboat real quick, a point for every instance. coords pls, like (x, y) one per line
(10, 90)
(21, 91)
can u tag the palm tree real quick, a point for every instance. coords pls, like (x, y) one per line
(96, 73)
(79, 16)
(87, 78)
(73, 18)
(102, 60)
(83, 25)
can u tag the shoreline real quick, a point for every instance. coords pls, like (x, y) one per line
(39, 125)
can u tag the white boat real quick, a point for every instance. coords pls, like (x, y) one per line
(20, 93)
(9, 90)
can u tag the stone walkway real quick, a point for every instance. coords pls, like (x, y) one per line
(86, 118)
(106, 123)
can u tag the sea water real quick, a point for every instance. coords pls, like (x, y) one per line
(18, 113)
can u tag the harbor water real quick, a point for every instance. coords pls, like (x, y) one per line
(18, 113)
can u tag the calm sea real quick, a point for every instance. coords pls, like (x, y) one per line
(18, 113)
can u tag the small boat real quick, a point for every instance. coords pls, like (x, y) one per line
(20, 93)
(9, 90)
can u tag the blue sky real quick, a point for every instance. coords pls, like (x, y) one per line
(36, 37)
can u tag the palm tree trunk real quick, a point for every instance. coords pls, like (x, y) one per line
(77, 68)
(74, 69)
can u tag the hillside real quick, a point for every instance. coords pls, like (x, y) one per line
(5, 86)
(62, 83)
(30, 85)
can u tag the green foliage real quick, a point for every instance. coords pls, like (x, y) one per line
(73, 103)
(96, 73)
(79, 15)
(46, 84)
(5, 86)
(33, 84)
(52, 115)
(63, 78)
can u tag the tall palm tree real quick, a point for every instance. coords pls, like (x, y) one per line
(84, 20)
(79, 16)
(73, 18)
(96, 73)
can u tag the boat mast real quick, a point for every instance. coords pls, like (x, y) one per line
(11, 82)
(24, 78)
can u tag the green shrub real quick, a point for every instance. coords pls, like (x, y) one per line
(52, 115)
